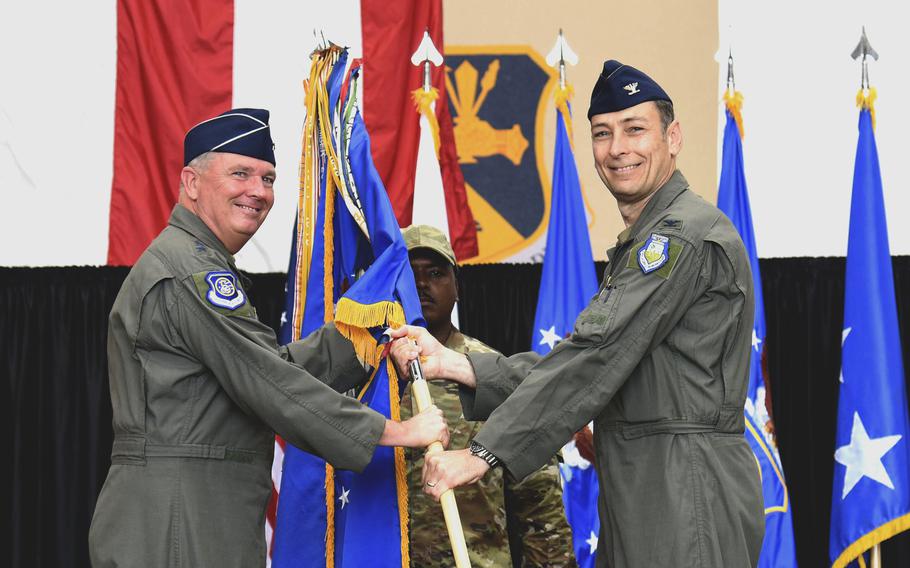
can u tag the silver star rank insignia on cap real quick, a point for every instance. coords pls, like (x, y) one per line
(632, 88)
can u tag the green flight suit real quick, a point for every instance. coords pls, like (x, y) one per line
(659, 359)
(199, 388)
(535, 504)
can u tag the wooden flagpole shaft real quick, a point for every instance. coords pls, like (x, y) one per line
(421, 393)
(875, 560)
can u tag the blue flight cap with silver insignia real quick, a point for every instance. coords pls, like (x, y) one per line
(622, 86)
(243, 131)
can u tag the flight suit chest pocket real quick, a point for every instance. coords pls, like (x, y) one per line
(595, 321)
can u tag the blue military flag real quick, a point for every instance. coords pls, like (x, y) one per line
(350, 266)
(871, 494)
(779, 547)
(567, 284)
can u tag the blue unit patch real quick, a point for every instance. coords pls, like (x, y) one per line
(654, 253)
(223, 290)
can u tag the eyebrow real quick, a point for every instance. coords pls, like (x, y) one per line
(249, 169)
(626, 120)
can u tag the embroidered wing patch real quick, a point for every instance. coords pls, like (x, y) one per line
(654, 253)
(223, 291)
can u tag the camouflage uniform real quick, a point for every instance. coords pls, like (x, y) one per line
(546, 539)
(537, 519)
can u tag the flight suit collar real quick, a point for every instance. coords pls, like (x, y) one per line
(185, 220)
(661, 199)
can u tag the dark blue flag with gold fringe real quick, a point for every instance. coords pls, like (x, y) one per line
(871, 493)
(779, 546)
(352, 269)
(567, 283)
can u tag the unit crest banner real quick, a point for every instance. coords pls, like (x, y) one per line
(498, 97)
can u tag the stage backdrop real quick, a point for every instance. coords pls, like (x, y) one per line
(55, 402)
(57, 109)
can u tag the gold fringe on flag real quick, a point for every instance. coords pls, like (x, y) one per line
(424, 100)
(734, 103)
(401, 477)
(865, 98)
(866, 542)
(329, 515)
(353, 321)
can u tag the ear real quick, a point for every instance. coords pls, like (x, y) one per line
(189, 179)
(674, 138)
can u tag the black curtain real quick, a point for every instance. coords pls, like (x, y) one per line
(53, 326)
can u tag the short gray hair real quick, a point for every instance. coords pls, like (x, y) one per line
(199, 163)
(665, 109)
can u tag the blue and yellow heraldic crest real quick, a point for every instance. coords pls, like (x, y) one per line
(654, 253)
(498, 96)
(223, 290)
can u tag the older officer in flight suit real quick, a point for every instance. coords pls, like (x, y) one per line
(659, 359)
(199, 386)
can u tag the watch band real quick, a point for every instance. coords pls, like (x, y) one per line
(486, 455)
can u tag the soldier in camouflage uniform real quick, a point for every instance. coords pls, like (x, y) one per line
(536, 519)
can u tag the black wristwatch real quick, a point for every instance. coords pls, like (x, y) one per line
(484, 454)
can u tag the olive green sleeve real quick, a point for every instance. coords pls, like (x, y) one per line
(242, 353)
(497, 377)
(574, 383)
(328, 356)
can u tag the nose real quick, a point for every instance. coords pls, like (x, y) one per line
(619, 145)
(258, 188)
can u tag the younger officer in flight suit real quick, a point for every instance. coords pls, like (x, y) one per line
(199, 386)
(659, 360)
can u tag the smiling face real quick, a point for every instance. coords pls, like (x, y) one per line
(231, 193)
(633, 154)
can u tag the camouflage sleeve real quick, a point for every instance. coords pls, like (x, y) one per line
(537, 518)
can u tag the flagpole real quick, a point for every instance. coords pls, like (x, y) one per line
(421, 393)
(862, 51)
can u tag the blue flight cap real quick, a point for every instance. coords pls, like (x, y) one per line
(243, 131)
(620, 87)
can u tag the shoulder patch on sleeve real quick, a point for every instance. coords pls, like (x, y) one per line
(658, 254)
(221, 289)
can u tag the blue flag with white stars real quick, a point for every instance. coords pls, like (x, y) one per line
(871, 493)
(567, 284)
(778, 547)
